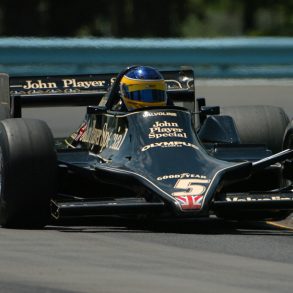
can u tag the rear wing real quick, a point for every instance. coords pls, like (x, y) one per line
(82, 90)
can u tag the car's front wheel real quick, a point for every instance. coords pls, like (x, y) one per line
(28, 171)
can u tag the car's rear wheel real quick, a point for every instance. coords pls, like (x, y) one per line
(28, 172)
(259, 124)
(288, 137)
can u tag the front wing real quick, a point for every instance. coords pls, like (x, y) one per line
(253, 204)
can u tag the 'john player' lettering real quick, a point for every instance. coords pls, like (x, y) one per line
(39, 84)
(82, 84)
(67, 83)
(166, 129)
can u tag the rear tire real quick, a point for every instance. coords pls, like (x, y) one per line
(28, 169)
(288, 137)
(259, 124)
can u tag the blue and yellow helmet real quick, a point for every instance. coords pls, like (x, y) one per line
(143, 87)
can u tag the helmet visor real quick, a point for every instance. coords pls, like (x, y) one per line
(147, 96)
(142, 94)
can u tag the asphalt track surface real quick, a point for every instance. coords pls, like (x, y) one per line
(118, 255)
(114, 255)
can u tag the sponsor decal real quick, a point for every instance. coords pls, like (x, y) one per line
(155, 114)
(82, 84)
(173, 84)
(105, 138)
(182, 175)
(166, 129)
(112, 80)
(81, 132)
(190, 202)
(169, 144)
(66, 83)
(45, 91)
(39, 84)
(191, 192)
(265, 197)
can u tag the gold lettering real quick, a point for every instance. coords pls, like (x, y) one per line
(39, 84)
(67, 82)
(82, 84)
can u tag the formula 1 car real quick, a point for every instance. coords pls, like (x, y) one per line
(185, 160)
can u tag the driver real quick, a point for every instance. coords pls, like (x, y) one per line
(143, 86)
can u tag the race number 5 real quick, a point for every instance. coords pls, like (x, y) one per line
(191, 186)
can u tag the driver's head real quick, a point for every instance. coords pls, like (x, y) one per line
(143, 86)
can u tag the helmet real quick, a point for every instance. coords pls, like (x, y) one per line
(143, 86)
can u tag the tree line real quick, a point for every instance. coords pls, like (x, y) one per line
(146, 18)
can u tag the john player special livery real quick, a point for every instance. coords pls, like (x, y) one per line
(180, 160)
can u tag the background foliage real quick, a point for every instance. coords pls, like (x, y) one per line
(146, 18)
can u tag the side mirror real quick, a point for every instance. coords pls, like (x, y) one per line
(207, 110)
(210, 110)
(96, 110)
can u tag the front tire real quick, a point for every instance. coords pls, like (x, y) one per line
(28, 169)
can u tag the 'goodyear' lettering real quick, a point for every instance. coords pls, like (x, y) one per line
(181, 176)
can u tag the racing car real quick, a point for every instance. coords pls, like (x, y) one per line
(185, 160)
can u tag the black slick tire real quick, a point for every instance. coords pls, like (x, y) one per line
(288, 136)
(28, 169)
(259, 124)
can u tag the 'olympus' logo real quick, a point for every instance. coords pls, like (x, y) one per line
(169, 144)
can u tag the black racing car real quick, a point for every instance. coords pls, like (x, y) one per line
(184, 160)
